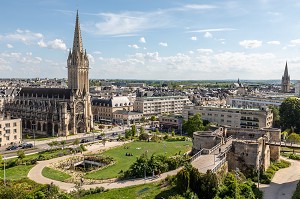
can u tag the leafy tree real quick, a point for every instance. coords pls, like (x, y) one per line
(76, 141)
(133, 130)
(63, 143)
(144, 136)
(127, 133)
(21, 155)
(276, 116)
(142, 130)
(209, 186)
(183, 180)
(289, 112)
(194, 123)
(293, 137)
(153, 118)
(143, 119)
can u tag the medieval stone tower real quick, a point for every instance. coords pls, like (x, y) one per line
(78, 63)
(285, 81)
(78, 81)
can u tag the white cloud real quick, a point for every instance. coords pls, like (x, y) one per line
(42, 44)
(295, 42)
(274, 42)
(163, 44)
(9, 46)
(57, 44)
(213, 30)
(250, 43)
(91, 58)
(133, 46)
(194, 38)
(24, 36)
(97, 52)
(205, 50)
(208, 35)
(191, 52)
(126, 23)
(199, 6)
(142, 40)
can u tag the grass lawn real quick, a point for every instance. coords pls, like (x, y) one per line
(136, 149)
(16, 172)
(151, 191)
(55, 174)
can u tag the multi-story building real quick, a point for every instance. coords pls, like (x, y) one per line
(58, 111)
(171, 122)
(161, 105)
(103, 109)
(254, 102)
(234, 117)
(124, 117)
(10, 131)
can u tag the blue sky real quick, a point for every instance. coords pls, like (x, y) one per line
(153, 39)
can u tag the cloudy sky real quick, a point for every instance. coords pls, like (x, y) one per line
(153, 39)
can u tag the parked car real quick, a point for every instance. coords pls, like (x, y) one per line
(84, 140)
(26, 145)
(12, 147)
(114, 134)
(99, 137)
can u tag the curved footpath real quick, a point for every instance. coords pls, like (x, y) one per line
(284, 183)
(35, 173)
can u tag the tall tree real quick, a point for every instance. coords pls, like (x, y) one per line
(194, 123)
(276, 116)
(290, 113)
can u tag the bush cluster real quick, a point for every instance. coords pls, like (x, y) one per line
(294, 156)
(156, 164)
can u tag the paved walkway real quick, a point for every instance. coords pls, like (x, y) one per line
(35, 173)
(209, 161)
(284, 183)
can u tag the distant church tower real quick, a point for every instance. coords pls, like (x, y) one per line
(78, 63)
(285, 82)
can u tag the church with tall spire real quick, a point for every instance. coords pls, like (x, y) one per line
(285, 80)
(58, 111)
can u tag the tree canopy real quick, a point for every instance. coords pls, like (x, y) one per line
(290, 113)
(194, 123)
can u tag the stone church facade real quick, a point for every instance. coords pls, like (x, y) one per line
(58, 111)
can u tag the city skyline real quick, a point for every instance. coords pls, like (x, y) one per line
(172, 40)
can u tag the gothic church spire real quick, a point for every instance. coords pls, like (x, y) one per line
(77, 43)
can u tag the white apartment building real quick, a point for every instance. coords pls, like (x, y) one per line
(160, 105)
(254, 102)
(234, 117)
(297, 89)
(10, 131)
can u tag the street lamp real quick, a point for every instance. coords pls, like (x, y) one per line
(33, 130)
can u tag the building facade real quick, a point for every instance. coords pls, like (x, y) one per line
(161, 105)
(254, 102)
(233, 117)
(10, 131)
(285, 81)
(58, 111)
(104, 108)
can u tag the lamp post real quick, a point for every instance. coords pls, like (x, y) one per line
(4, 174)
(33, 130)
